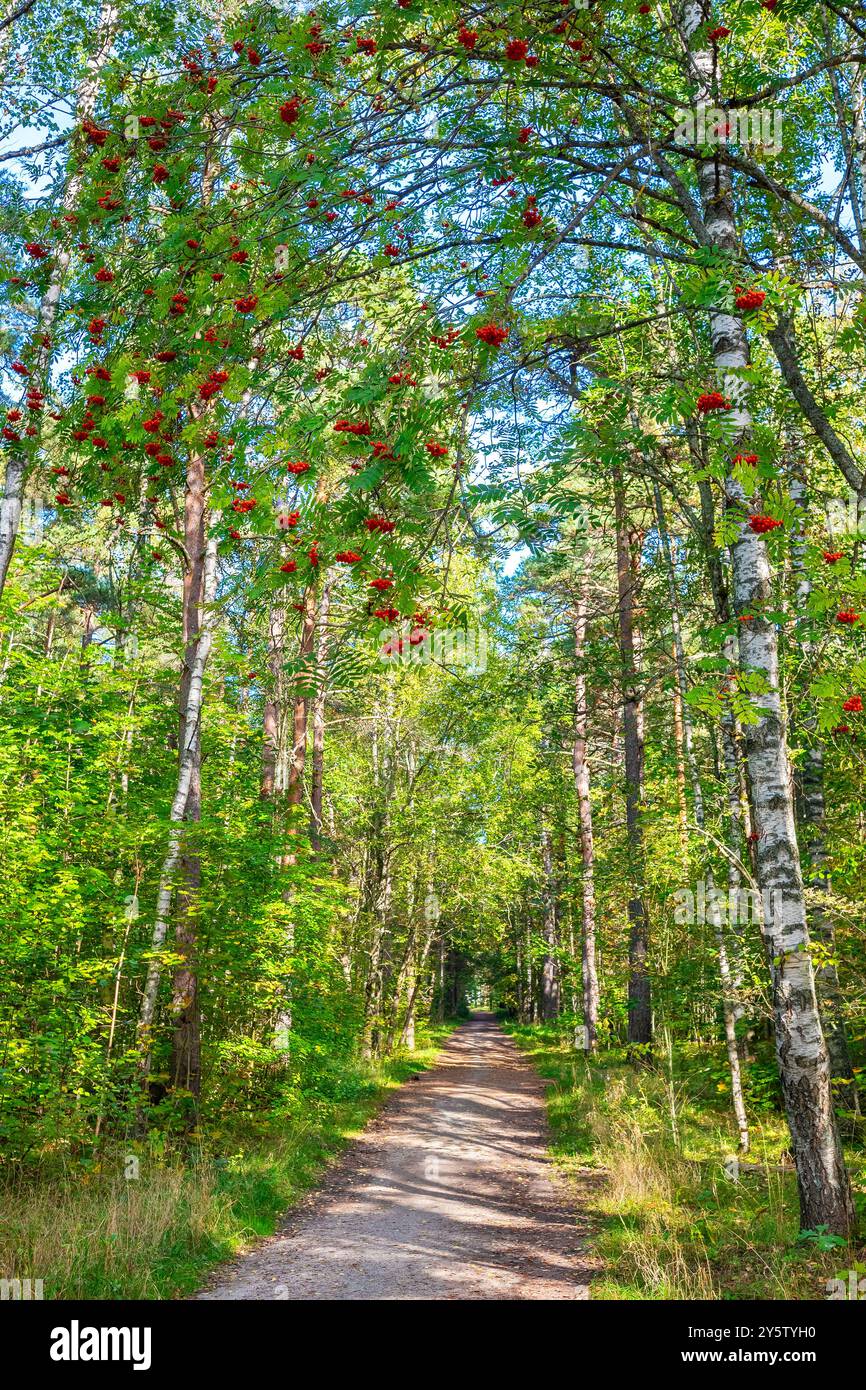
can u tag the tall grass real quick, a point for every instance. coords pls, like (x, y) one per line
(88, 1231)
(649, 1150)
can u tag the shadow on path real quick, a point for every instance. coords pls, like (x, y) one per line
(448, 1194)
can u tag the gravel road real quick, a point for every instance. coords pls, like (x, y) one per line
(448, 1194)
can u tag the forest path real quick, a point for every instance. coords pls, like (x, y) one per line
(447, 1194)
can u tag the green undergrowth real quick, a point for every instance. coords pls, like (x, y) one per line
(649, 1149)
(89, 1231)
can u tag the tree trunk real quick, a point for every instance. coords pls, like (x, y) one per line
(408, 1035)
(627, 560)
(318, 778)
(580, 765)
(302, 703)
(530, 976)
(729, 1010)
(804, 1068)
(272, 718)
(736, 828)
(549, 974)
(189, 759)
(440, 986)
(186, 1051)
(679, 747)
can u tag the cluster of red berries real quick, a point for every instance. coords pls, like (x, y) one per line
(492, 334)
(531, 215)
(761, 524)
(214, 384)
(350, 427)
(712, 400)
(749, 299)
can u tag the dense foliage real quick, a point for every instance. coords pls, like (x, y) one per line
(432, 549)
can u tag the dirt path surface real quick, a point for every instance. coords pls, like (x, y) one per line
(448, 1194)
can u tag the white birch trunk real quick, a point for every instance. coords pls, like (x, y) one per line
(589, 966)
(715, 916)
(825, 1194)
(191, 714)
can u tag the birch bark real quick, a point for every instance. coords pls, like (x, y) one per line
(639, 994)
(801, 1051)
(589, 968)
